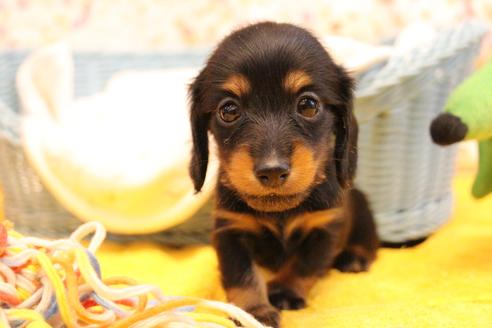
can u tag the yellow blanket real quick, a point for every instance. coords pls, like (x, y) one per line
(445, 282)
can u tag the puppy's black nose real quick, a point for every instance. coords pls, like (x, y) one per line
(272, 175)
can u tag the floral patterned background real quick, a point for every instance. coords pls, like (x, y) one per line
(170, 24)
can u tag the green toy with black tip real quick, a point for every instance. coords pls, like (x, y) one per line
(468, 116)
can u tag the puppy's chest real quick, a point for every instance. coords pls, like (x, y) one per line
(271, 249)
(273, 240)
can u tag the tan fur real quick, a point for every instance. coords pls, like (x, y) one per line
(237, 84)
(245, 222)
(304, 222)
(304, 167)
(311, 220)
(250, 295)
(240, 170)
(266, 273)
(287, 277)
(279, 205)
(296, 80)
(244, 297)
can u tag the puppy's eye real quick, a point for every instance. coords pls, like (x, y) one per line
(308, 106)
(229, 111)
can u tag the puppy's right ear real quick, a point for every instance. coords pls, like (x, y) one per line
(199, 120)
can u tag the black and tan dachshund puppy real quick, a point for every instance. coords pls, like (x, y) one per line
(280, 111)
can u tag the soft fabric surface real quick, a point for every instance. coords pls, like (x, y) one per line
(117, 178)
(444, 282)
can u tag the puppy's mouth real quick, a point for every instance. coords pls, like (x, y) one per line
(274, 202)
(240, 174)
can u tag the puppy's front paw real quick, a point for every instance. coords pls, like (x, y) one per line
(284, 298)
(266, 314)
(350, 261)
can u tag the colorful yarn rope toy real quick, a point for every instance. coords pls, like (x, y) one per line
(58, 284)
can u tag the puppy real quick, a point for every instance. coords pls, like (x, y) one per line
(280, 112)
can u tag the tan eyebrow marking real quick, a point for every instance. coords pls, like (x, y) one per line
(296, 80)
(238, 84)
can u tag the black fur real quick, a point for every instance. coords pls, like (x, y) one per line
(264, 54)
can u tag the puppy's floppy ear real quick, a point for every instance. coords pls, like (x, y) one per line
(346, 131)
(199, 120)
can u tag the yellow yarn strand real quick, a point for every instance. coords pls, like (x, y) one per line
(73, 297)
(211, 318)
(38, 324)
(27, 315)
(142, 299)
(127, 322)
(51, 268)
(57, 283)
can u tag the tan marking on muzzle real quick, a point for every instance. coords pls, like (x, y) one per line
(237, 84)
(304, 167)
(296, 80)
(240, 170)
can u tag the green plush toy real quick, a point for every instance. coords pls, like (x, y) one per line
(468, 116)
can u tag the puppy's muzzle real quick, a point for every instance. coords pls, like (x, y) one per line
(272, 175)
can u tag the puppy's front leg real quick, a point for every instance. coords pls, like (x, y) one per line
(314, 256)
(243, 285)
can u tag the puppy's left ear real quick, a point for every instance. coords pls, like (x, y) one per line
(199, 120)
(346, 131)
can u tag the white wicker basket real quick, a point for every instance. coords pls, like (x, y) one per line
(407, 178)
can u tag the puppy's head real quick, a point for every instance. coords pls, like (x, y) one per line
(281, 113)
